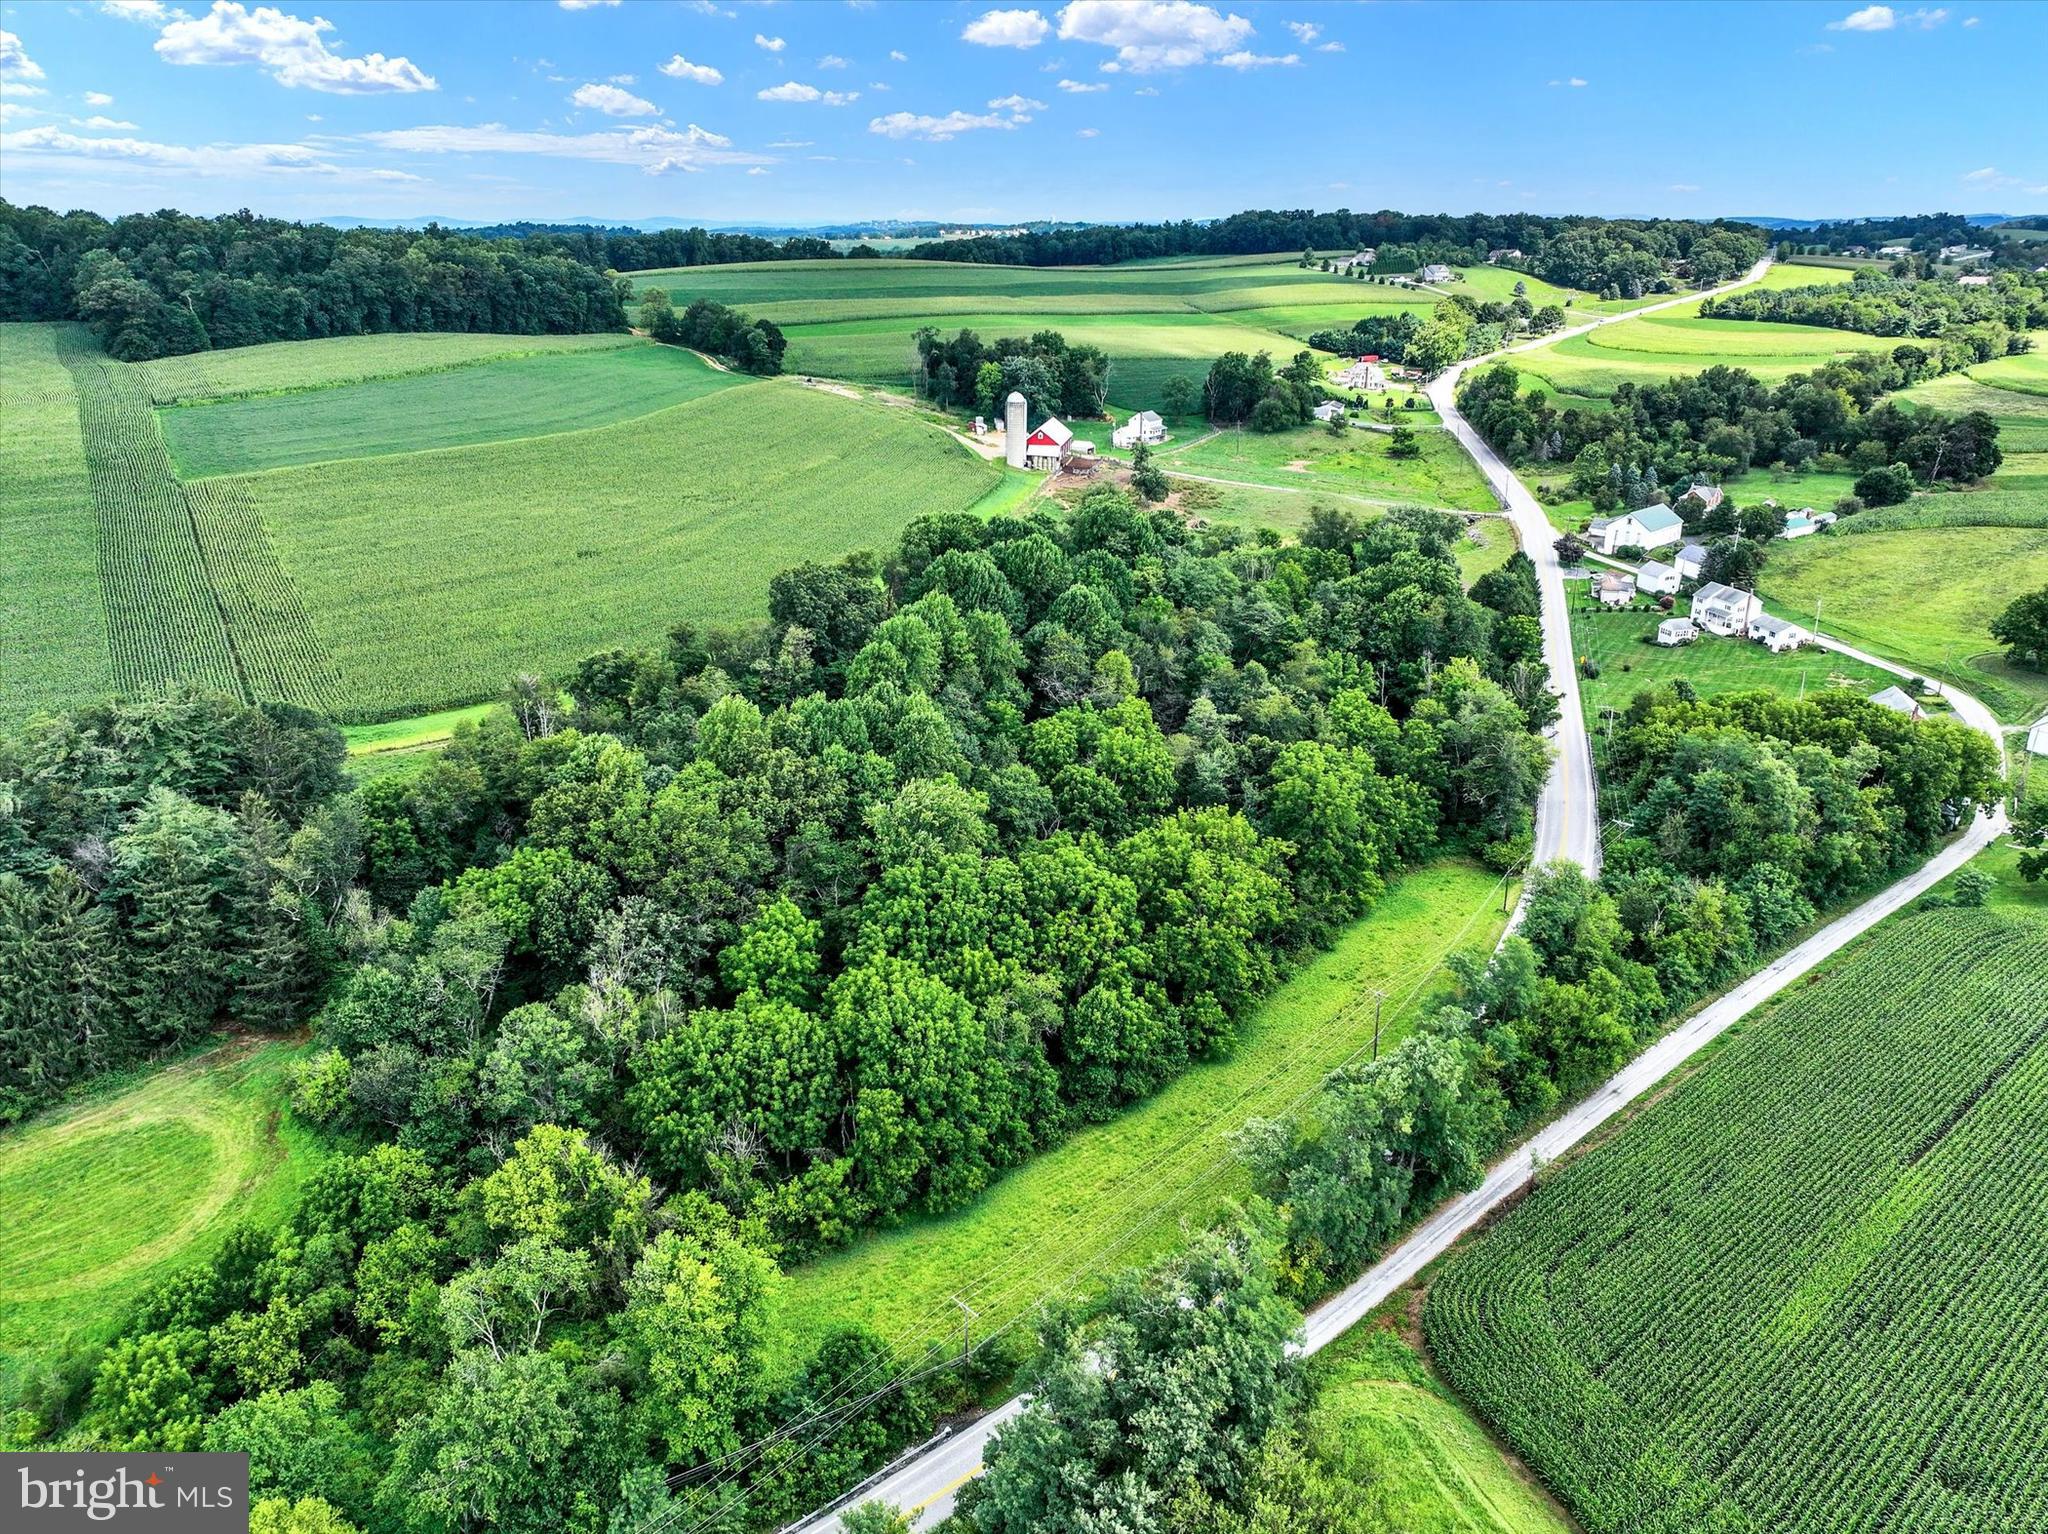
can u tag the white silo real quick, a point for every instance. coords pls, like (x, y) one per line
(1013, 429)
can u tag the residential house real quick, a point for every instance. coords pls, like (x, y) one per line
(1145, 427)
(1894, 250)
(1615, 589)
(1495, 257)
(2037, 737)
(1898, 700)
(1657, 578)
(1650, 527)
(1706, 497)
(1776, 634)
(1365, 373)
(1677, 631)
(1691, 561)
(1725, 610)
(1329, 410)
(1436, 271)
(1964, 253)
(1974, 280)
(1361, 258)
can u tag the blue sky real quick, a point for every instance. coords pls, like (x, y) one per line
(825, 111)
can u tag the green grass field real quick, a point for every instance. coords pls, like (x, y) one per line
(492, 401)
(101, 1199)
(2012, 390)
(53, 625)
(286, 365)
(430, 578)
(1354, 464)
(1621, 644)
(1805, 1290)
(1116, 1194)
(1924, 597)
(1382, 1419)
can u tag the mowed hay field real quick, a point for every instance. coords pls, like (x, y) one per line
(370, 578)
(1807, 1290)
(100, 1200)
(1355, 465)
(2012, 390)
(1116, 1194)
(858, 319)
(431, 578)
(486, 402)
(1622, 643)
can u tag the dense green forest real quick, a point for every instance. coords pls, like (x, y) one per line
(965, 372)
(1975, 323)
(634, 995)
(161, 284)
(1655, 439)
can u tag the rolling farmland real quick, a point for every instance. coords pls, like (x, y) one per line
(1804, 1291)
(1355, 464)
(1622, 645)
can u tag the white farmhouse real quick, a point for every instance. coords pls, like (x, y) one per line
(1776, 634)
(1652, 527)
(1657, 578)
(1724, 610)
(1329, 410)
(1677, 631)
(1436, 271)
(1145, 427)
(1691, 561)
(1615, 589)
(1365, 373)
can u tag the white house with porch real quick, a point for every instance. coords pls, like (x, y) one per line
(1651, 527)
(1657, 578)
(1365, 373)
(1436, 271)
(1725, 610)
(1145, 427)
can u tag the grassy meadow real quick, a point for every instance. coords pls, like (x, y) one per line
(490, 401)
(100, 1199)
(1622, 643)
(1354, 465)
(1115, 1194)
(280, 366)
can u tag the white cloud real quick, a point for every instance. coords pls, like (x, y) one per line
(14, 62)
(1086, 132)
(1081, 88)
(583, 5)
(877, 85)
(1007, 29)
(294, 52)
(1154, 34)
(757, 170)
(1574, 82)
(654, 150)
(613, 102)
(1991, 178)
(150, 13)
(772, 44)
(1304, 31)
(1017, 104)
(1882, 18)
(831, 61)
(1683, 186)
(1331, 47)
(20, 88)
(97, 121)
(201, 159)
(680, 68)
(1988, 173)
(1245, 59)
(706, 8)
(623, 79)
(1146, 90)
(793, 143)
(1971, 21)
(792, 90)
(936, 130)
(898, 56)
(97, 99)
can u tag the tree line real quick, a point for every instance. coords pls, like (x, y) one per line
(1968, 325)
(1656, 439)
(756, 939)
(162, 284)
(752, 346)
(1056, 377)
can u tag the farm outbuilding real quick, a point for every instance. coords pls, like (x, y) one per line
(1677, 631)
(1898, 700)
(2037, 737)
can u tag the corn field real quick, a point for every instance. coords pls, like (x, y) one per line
(1807, 1293)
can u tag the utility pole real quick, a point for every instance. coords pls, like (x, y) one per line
(967, 1318)
(1379, 1000)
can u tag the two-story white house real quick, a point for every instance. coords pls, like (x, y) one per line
(1657, 578)
(1651, 527)
(1145, 427)
(1724, 610)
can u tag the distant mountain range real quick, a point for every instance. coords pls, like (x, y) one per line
(1982, 220)
(880, 228)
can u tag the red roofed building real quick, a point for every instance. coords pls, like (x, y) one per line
(1046, 448)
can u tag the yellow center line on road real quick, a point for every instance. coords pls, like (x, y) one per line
(947, 1490)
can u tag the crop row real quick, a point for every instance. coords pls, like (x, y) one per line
(280, 653)
(1806, 1293)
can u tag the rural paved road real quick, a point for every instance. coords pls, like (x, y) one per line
(924, 1483)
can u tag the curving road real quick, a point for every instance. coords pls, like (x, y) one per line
(924, 1481)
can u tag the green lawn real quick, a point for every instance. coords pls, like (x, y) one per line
(53, 623)
(1622, 644)
(100, 1199)
(1116, 1194)
(1923, 596)
(483, 402)
(1381, 1418)
(365, 740)
(431, 578)
(284, 365)
(1355, 463)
